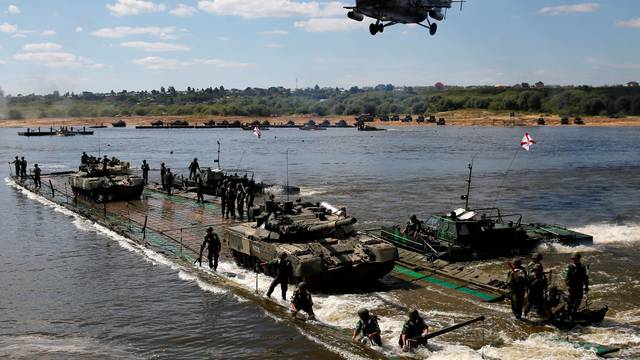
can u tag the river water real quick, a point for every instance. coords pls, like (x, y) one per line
(72, 290)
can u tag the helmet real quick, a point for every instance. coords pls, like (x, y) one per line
(536, 268)
(209, 229)
(576, 256)
(413, 314)
(536, 256)
(283, 255)
(363, 313)
(413, 217)
(302, 286)
(517, 262)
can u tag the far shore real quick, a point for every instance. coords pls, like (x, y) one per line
(461, 118)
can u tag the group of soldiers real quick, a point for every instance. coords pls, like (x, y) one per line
(235, 197)
(20, 166)
(413, 334)
(529, 288)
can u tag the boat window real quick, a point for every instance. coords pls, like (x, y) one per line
(432, 223)
(463, 230)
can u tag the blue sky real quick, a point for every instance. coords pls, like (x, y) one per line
(99, 45)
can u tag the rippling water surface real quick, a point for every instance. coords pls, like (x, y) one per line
(70, 290)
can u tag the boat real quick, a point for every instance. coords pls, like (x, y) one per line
(480, 233)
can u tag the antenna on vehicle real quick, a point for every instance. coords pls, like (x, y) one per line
(218, 159)
(466, 197)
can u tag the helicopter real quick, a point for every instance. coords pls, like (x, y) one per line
(391, 12)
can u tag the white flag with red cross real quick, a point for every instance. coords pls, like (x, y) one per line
(527, 141)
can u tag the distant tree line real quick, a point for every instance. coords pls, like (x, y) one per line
(382, 99)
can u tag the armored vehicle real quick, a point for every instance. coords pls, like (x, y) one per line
(320, 241)
(114, 184)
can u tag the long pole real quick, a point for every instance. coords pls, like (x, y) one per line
(287, 188)
(218, 161)
(466, 203)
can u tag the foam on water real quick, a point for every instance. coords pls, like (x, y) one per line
(612, 233)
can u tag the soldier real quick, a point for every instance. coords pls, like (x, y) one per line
(301, 300)
(368, 325)
(193, 168)
(413, 332)
(413, 227)
(105, 163)
(36, 176)
(240, 202)
(536, 259)
(284, 269)
(222, 192)
(200, 190)
(163, 172)
(84, 158)
(23, 168)
(517, 282)
(17, 164)
(145, 171)
(231, 202)
(168, 181)
(577, 280)
(212, 243)
(536, 290)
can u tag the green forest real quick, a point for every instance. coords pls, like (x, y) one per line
(379, 100)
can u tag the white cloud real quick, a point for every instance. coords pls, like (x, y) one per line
(48, 33)
(271, 8)
(166, 32)
(57, 59)
(8, 28)
(42, 47)
(79, 29)
(155, 46)
(631, 24)
(273, 46)
(134, 7)
(327, 24)
(275, 32)
(12, 9)
(569, 9)
(158, 63)
(183, 10)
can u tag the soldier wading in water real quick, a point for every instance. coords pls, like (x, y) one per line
(212, 243)
(284, 271)
(517, 281)
(301, 300)
(368, 326)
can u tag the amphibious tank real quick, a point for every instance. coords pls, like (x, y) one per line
(320, 241)
(114, 184)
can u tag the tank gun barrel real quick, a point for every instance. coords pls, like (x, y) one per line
(332, 225)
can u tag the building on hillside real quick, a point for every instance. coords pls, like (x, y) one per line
(539, 84)
(439, 86)
(633, 84)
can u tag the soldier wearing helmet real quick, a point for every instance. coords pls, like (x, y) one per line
(517, 281)
(413, 331)
(302, 300)
(577, 280)
(368, 326)
(284, 269)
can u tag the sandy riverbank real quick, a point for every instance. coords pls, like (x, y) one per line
(459, 118)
